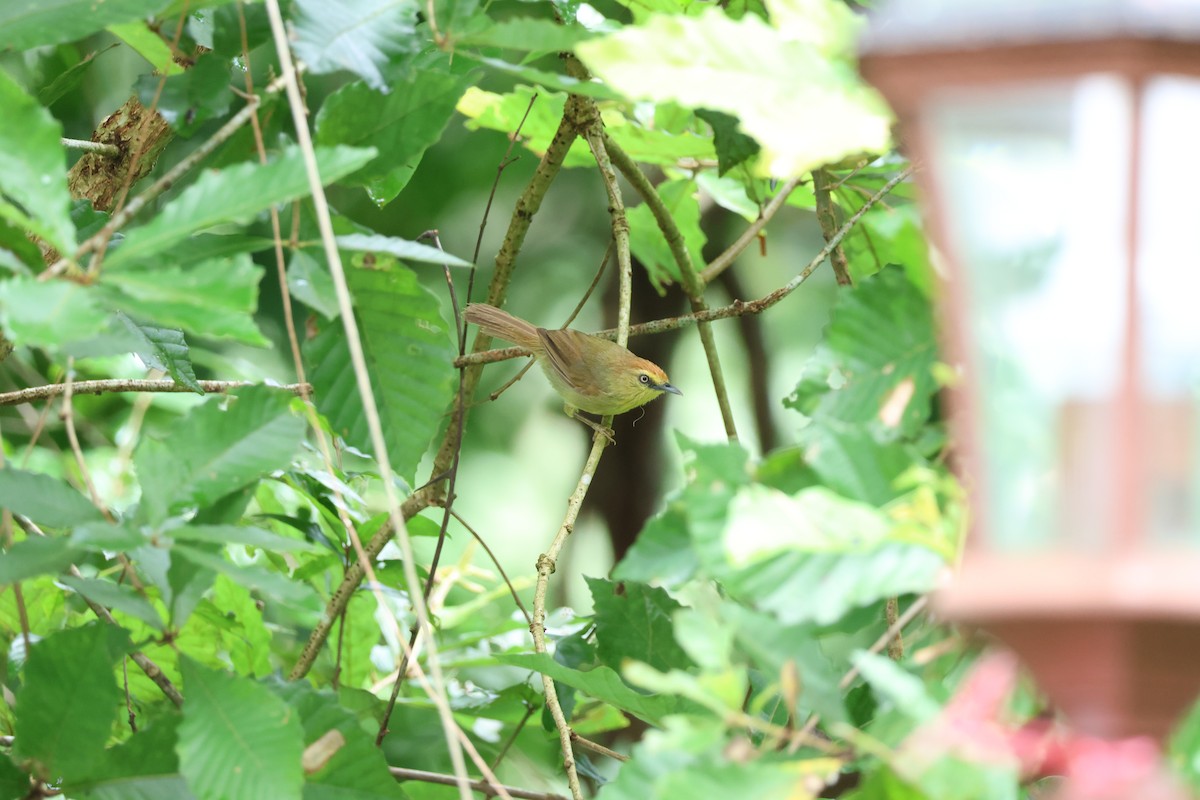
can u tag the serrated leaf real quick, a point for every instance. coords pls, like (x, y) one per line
(69, 699)
(214, 451)
(233, 194)
(116, 598)
(356, 35)
(733, 146)
(44, 499)
(409, 351)
(766, 77)
(29, 23)
(33, 165)
(215, 299)
(163, 349)
(635, 623)
(400, 248)
(237, 741)
(874, 368)
(400, 124)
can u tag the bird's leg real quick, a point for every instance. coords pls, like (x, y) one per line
(573, 413)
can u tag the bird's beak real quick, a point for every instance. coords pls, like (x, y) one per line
(666, 387)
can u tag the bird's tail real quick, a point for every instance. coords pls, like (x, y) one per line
(495, 322)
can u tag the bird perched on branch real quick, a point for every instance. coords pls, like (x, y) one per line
(589, 373)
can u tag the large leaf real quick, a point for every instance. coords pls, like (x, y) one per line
(29, 23)
(633, 621)
(33, 166)
(237, 741)
(213, 451)
(768, 77)
(69, 699)
(234, 194)
(401, 124)
(44, 499)
(820, 587)
(216, 298)
(52, 314)
(409, 352)
(879, 352)
(647, 241)
(356, 35)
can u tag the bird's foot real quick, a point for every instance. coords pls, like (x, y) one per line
(603, 430)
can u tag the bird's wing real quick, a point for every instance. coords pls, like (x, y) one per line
(564, 354)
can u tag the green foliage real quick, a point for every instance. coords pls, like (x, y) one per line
(754, 602)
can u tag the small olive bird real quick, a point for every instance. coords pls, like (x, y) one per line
(591, 374)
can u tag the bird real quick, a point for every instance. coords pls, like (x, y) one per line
(591, 374)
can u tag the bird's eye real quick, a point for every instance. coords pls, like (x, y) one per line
(644, 378)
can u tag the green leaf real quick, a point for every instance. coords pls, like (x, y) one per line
(14, 784)
(773, 647)
(760, 74)
(233, 194)
(53, 314)
(214, 451)
(662, 552)
(400, 248)
(278, 587)
(310, 283)
(215, 299)
(648, 243)
(764, 522)
(69, 700)
(117, 598)
(901, 688)
(603, 684)
(29, 23)
(409, 351)
(237, 741)
(143, 767)
(44, 499)
(529, 34)
(358, 768)
(849, 460)
(633, 621)
(821, 587)
(150, 46)
(1183, 748)
(163, 349)
(874, 367)
(400, 122)
(733, 146)
(33, 165)
(356, 35)
(241, 534)
(41, 555)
